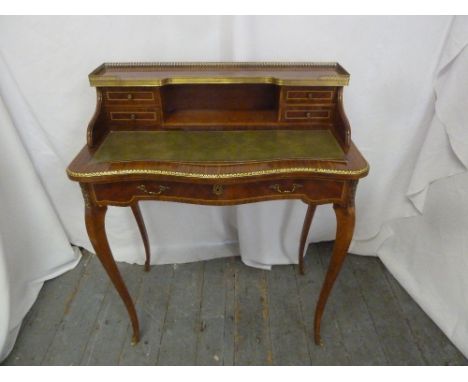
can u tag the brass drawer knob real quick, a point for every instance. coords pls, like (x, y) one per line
(310, 95)
(218, 189)
(309, 115)
(143, 188)
(132, 117)
(129, 96)
(277, 188)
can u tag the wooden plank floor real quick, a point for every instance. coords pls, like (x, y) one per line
(221, 312)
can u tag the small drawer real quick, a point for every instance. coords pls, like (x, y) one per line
(305, 114)
(122, 117)
(304, 95)
(129, 97)
(133, 116)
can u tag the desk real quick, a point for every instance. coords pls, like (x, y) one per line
(219, 134)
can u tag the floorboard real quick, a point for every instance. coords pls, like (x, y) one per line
(333, 351)
(252, 341)
(396, 337)
(182, 323)
(431, 341)
(112, 325)
(222, 312)
(210, 344)
(359, 334)
(287, 328)
(46, 315)
(151, 305)
(72, 336)
(229, 311)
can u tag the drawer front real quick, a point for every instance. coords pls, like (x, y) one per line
(319, 191)
(131, 117)
(132, 96)
(306, 114)
(302, 95)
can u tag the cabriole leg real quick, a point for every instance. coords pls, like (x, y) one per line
(144, 234)
(305, 232)
(95, 225)
(345, 219)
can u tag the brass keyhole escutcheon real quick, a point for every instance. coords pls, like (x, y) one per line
(129, 96)
(132, 117)
(218, 189)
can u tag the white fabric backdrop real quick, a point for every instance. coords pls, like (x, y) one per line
(393, 61)
(427, 253)
(33, 245)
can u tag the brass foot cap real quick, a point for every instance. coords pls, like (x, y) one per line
(134, 341)
(318, 341)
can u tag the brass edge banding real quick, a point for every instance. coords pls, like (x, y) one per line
(115, 81)
(206, 65)
(342, 79)
(216, 176)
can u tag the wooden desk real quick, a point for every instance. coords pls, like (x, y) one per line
(219, 134)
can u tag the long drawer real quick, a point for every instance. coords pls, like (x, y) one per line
(310, 190)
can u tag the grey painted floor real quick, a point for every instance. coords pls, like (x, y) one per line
(221, 312)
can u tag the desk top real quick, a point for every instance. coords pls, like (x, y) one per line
(164, 73)
(100, 165)
(235, 122)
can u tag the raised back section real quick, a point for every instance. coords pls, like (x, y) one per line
(219, 96)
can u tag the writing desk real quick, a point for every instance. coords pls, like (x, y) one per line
(219, 134)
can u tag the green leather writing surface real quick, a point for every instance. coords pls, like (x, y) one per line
(218, 146)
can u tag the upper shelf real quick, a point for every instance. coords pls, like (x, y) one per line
(165, 73)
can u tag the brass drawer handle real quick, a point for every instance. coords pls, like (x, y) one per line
(277, 188)
(143, 188)
(218, 189)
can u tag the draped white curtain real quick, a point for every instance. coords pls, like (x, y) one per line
(427, 253)
(404, 102)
